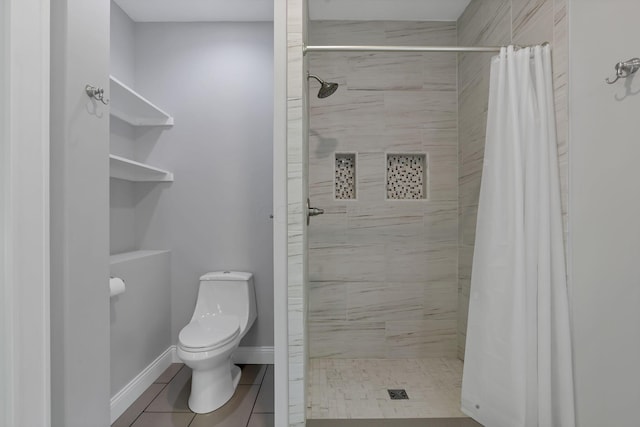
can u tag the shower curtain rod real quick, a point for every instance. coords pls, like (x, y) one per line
(460, 49)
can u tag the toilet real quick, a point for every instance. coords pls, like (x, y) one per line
(225, 310)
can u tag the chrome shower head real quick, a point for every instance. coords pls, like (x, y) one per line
(326, 88)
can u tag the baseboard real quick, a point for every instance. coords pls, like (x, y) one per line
(254, 355)
(134, 389)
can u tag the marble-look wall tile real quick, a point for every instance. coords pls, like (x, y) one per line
(440, 298)
(402, 71)
(441, 222)
(431, 337)
(345, 33)
(397, 259)
(384, 301)
(499, 22)
(346, 262)
(443, 173)
(424, 109)
(327, 301)
(296, 191)
(532, 21)
(345, 339)
(485, 22)
(419, 33)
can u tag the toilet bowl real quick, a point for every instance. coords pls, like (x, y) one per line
(225, 310)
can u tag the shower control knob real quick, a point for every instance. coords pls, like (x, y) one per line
(315, 211)
(311, 211)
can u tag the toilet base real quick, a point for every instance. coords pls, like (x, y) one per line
(212, 388)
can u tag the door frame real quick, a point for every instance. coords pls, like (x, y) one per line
(24, 213)
(280, 229)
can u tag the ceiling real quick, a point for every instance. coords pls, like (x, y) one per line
(262, 10)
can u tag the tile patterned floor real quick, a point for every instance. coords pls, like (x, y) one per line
(357, 388)
(164, 403)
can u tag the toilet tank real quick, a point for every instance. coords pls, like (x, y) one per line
(227, 292)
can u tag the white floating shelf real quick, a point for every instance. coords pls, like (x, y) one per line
(133, 255)
(133, 108)
(122, 168)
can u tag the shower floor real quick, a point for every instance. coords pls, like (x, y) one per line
(357, 388)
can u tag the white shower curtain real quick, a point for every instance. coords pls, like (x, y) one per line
(518, 369)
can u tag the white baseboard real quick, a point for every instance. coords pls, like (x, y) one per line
(134, 389)
(254, 355)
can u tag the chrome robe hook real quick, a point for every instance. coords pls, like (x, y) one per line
(96, 93)
(625, 69)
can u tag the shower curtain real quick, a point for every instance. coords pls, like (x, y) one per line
(518, 369)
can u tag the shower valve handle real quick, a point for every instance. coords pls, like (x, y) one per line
(311, 211)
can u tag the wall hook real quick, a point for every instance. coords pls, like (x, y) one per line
(96, 93)
(625, 69)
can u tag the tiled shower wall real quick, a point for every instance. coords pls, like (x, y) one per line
(383, 272)
(497, 23)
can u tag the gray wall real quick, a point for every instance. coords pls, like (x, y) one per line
(79, 215)
(140, 318)
(604, 211)
(217, 81)
(140, 326)
(383, 273)
(122, 136)
(498, 23)
(122, 46)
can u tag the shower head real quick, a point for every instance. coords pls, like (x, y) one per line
(326, 88)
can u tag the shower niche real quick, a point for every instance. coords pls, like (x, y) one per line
(406, 176)
(345, 176)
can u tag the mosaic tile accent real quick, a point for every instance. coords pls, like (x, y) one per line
(406, 176)
(345, 176)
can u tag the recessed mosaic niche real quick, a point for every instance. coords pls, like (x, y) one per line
(345, 176)
(406, 176)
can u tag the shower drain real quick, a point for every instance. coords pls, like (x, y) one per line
(398, 394)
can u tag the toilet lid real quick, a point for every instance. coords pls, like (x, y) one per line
(210, 331)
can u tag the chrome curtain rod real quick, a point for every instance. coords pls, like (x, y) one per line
(459, 49)
(398, 49)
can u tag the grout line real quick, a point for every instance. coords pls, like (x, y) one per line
(174, 375)
(257, 395)
(143, 409)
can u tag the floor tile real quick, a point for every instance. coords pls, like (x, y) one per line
(164, 419)
(169, 373)
(252, 374)
(129, 416)
(261, 420)
(235, 413)
(175, 396)
(264, 402)
(404, 422)
(357, 388)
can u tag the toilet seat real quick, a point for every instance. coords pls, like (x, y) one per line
(209, 332)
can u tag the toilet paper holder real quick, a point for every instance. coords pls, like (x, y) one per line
(117, 286)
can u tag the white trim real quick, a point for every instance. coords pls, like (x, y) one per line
(254, 355)
(25, 369)
(280, 304)
(134, 389)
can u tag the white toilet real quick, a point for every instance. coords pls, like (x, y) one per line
(225, 310)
